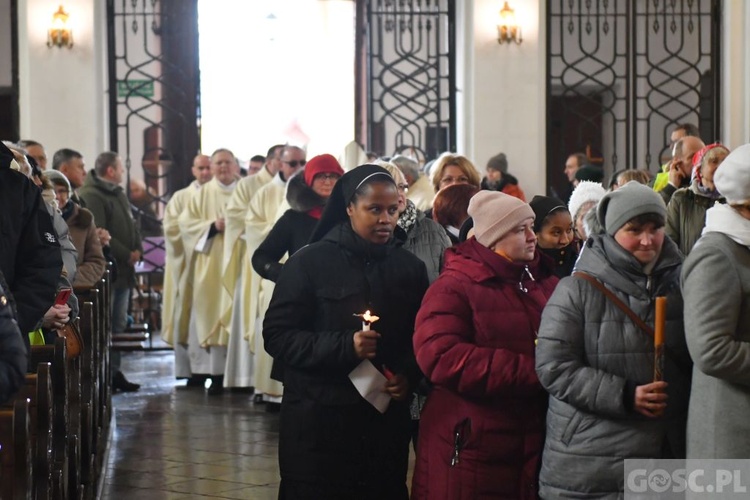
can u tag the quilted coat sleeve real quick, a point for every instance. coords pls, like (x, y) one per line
(444, 343)
(711, 324)
(286, 332)
(561, 354)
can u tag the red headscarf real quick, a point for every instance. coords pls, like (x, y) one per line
(321, 164)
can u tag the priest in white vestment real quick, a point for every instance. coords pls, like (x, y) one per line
(202, 225)
(177, 289)
(268, 204)
(238, 278)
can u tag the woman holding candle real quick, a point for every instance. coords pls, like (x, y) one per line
(333, 444)
(597, 363)
(716, 285)
(482, 427)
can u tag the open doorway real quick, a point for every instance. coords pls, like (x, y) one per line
(276, 72)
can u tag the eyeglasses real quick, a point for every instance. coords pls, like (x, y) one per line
(296, 163)
(402, 187)
(327, 177)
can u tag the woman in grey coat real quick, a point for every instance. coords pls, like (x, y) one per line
(716, 286)
(425, 238)
(598, 365)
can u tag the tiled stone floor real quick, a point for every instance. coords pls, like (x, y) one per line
(174, 443)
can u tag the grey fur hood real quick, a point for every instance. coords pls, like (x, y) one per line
(300, 196)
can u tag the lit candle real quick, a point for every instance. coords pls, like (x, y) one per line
(367, 320)
(660, 321)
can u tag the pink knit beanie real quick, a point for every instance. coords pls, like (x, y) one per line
(495, 213)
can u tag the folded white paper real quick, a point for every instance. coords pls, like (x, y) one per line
(370, 383)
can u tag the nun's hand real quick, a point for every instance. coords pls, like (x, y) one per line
(366, 344)
(398, 387)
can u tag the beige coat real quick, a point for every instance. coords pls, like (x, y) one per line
(91, 262)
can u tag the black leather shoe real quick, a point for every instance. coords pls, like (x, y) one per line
(120, 383)
(217, 385)
(196, 381)
(273, 407)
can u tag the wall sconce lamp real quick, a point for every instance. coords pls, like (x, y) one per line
(59, 35)
(508, 30)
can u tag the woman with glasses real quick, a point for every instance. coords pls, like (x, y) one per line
(334, 444)
(307, 193)
(450, 169)
(424, 237)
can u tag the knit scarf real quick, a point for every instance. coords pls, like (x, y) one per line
(408, 217)
(726, 220)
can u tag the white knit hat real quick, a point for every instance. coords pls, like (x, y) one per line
(585, 191)
(732, 178)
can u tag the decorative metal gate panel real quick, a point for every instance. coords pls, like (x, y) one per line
(622, 73)
(409, 76)
(154, 92)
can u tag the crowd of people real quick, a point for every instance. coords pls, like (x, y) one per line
(513, 344)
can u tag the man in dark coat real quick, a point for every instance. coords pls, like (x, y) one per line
(13, 357)
(30, 256)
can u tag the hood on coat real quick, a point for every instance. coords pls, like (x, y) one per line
(605, 259)
(80, 217)
(480, 263)
(300, 196)
(92, 179)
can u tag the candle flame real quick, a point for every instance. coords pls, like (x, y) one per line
(367, 317)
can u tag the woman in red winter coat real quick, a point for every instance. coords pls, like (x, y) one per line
(482, 428)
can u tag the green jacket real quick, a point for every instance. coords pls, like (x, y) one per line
(686, 217)
(111, 209)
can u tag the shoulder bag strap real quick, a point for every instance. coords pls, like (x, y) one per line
(616, 301)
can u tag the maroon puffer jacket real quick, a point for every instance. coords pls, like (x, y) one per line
(474, 340)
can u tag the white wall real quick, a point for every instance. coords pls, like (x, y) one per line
(503, 92)
(735, 77)
(62, 91)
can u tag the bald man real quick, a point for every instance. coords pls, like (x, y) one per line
(681, 165)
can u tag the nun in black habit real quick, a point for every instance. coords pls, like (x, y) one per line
(333, 444)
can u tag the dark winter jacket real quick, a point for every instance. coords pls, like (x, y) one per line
(508, 185)
(474, 340)
(591, 357)
(13, 356)
(30, 256)
(291, 232)
(111, 210)
(565, 259)
(329, 434)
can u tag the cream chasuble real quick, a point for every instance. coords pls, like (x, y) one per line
(235, 269)
(205, 256)
(238, 279)
(177, 290)
(266, 207)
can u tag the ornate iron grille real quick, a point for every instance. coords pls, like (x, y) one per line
(622, 73)
(409, 76)
(153, 96)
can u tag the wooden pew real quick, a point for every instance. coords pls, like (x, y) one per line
(15, 451)
(66, 428)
